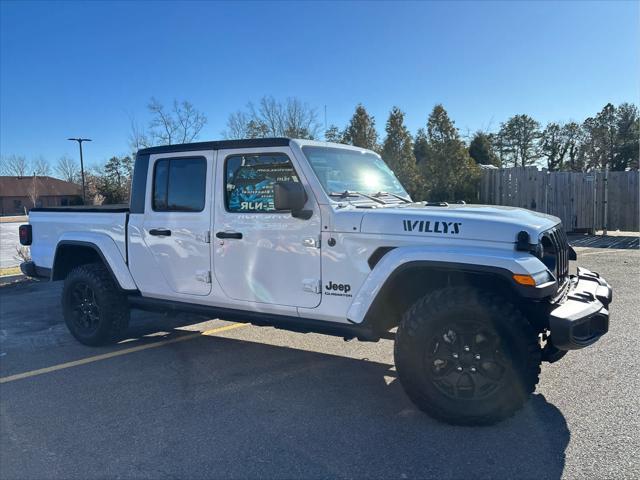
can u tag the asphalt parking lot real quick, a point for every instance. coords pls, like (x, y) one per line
(250, 402)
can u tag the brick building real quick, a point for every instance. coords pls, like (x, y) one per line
(17, 194)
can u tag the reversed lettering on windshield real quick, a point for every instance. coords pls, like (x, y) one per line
(428, 226)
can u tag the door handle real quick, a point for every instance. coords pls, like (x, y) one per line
(236, 235)
(160, 232)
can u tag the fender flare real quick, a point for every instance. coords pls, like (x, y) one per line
(106, 249)
(490, 261)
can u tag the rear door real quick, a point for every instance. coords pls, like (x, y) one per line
(177, 221)
(260, 254)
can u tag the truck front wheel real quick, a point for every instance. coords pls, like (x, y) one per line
(95, 310)
(466, 356)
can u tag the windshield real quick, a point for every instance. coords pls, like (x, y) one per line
(340, 170)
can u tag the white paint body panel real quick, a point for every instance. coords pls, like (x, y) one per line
(513, 261)
(105, 230)
(171, 266)
(270, 269)
(271, 263)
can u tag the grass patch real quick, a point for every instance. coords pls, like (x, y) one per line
(15, 218)
(5, 272)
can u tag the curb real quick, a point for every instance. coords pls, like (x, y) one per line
(12, 278)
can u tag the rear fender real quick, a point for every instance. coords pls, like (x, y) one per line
(106, 249)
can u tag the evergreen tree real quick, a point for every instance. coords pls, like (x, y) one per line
(554, 146)
(482, 150)
(449, 172)
(361, 130)
(114, 180)
(519, 140)
(420, 146)
(628, 134)
(602, 133)
(333, 134)
(397, 151)
(574, 137)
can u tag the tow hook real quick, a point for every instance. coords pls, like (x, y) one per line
(550, 353)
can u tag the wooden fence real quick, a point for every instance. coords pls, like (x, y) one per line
(577, 198)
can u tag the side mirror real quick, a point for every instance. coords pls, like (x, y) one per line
(291, 196)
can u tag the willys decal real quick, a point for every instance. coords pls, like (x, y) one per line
(427, 226)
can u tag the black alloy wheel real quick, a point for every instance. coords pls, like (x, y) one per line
(86, 313)
(465, 361)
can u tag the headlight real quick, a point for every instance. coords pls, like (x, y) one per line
(534, 280)
(543, 277)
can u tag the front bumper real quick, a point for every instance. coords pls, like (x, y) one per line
(584, 316)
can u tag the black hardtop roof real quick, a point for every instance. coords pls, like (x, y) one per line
(217, 145)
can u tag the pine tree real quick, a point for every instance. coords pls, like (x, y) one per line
(612, 137)
(397, 151)
(114, 181)
(482, 151)
(333, 134)
(449, 172)
(628, 135)
(519, 139)
(420, 146)
(361, 130)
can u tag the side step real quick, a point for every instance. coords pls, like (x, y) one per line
(283, 322)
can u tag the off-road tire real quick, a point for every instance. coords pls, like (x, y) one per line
(110, 307)
(517, 342)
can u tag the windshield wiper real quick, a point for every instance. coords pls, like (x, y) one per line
(400, 197)
(352, 193)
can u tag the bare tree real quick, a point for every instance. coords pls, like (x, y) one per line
(16, 165)
(271, 118)
(300, 121)
(138, 138)
(33, 191)
(237, 125)
(41, 167)
(181, 124)
(68, 169)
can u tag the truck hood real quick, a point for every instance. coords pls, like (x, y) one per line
(478, 222)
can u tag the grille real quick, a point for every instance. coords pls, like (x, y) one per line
(556, 255)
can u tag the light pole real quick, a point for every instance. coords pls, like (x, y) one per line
(80, 140)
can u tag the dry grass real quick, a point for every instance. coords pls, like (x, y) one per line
(20, 218)
(5, 272)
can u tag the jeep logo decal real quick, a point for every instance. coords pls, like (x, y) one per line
(337, 289)
(425, 226)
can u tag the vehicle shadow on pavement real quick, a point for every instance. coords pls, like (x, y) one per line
(221, 407)
(299, 413)
(329, 415)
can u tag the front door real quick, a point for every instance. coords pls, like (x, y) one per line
(260, 254)
(177, 222)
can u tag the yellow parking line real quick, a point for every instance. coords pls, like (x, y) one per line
(105, 356)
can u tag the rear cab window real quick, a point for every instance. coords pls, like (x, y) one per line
(179, 184)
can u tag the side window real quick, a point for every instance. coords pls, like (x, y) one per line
(179, 184)
(250, 179)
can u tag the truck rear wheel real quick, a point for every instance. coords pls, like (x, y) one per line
(95, 310)
(467, 357)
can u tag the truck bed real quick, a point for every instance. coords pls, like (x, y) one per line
(120, 208)
(51, 226)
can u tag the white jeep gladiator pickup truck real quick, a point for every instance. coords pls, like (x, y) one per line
(319, 237)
